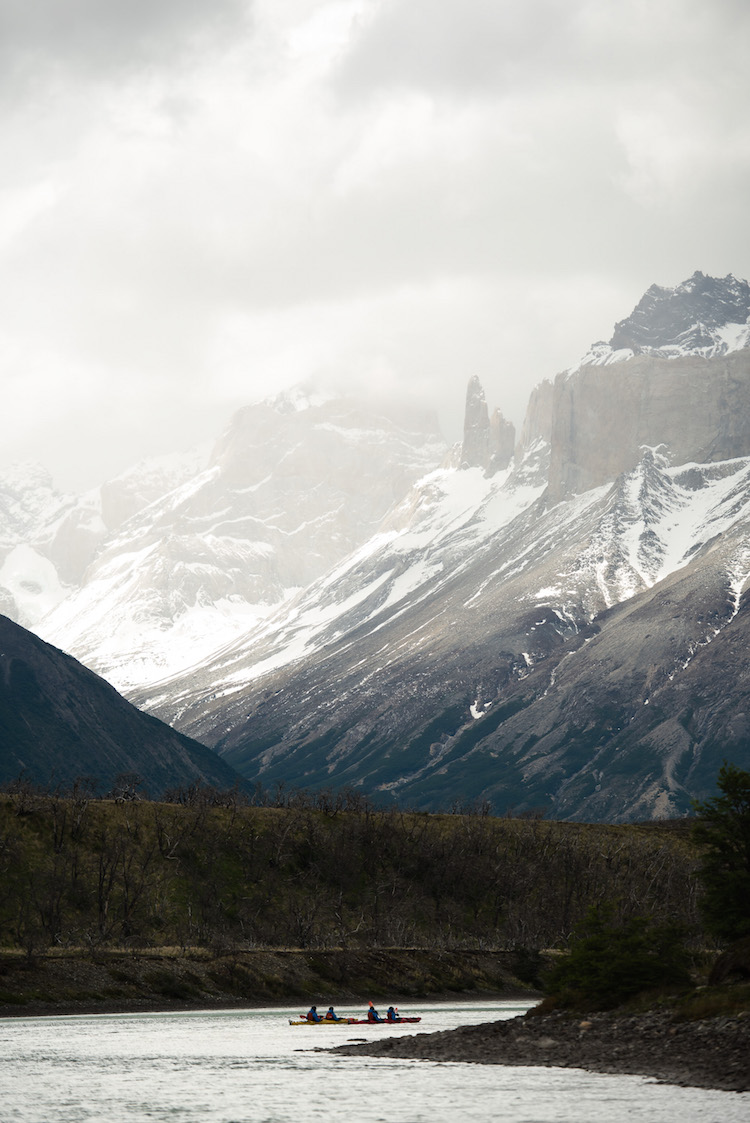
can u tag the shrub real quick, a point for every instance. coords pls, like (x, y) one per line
(723, 830)
(611, 961)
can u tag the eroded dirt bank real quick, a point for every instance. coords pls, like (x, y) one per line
(708, 1053)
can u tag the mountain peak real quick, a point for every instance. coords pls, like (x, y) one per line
(488, 441)
(706, 316)
(475, 450)
(300, 397)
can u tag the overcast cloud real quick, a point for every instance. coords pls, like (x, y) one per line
(201, 204)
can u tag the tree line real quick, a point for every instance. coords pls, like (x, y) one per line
(613, 959)
(224, 870)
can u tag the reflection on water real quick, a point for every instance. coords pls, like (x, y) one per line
(251, 1066)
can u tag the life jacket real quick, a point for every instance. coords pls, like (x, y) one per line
(372, 1015)
(311, 1017)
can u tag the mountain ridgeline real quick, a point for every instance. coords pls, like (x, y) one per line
(551, 620)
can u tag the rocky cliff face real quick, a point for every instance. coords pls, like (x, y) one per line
(602, 416)
(657, 382)
(537, 423)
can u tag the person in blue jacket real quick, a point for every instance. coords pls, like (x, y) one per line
(313, 1015)
(391, 1015)
(332, 1016)
(373, 1015)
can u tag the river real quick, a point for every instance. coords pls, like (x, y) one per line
(251, 1066)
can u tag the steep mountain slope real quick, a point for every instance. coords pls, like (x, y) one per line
(403, 669)
(699, 408)
(636, 722)
(60, 722)
(46, 541)
(533, 636)
(292, 486)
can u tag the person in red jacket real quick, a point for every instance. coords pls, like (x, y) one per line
(313, 1015)
(373, 1015)
(391, 1015)
(332, 1016)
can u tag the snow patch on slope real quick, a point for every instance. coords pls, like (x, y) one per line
(33, 582)
(657, 519)
(724, 341)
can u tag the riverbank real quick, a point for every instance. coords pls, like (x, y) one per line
(77, 982)
(709, 1052)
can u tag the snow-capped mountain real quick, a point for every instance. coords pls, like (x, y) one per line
(189, 558)
(461, 651)
(374, 674)
(559, 622)
(46, 541)
(705, 316)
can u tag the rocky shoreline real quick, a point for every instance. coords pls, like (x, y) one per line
(706, 1053)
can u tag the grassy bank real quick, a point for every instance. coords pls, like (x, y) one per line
(164, 979)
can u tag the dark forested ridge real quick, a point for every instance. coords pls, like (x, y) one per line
(59, 721)
(215, 872)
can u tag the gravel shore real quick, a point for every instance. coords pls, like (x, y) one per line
(709, 1053)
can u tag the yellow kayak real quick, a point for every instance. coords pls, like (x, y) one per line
(349, 1022)
(324, 1022)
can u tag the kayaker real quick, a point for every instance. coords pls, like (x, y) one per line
(373, 1015)
(332, 1016)
(313, 1015)
(391, 1015)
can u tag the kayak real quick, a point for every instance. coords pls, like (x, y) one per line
(323, 1022)
(349, 1022)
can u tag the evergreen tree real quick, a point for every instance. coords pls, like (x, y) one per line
(613, 960)
(723, 829)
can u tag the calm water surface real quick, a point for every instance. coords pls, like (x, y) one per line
(251, 1066)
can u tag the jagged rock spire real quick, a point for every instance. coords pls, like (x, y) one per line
(502, 442)
(475, 450)
(488, 443)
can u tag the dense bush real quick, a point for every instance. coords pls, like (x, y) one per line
(723, 831)
(610, 961)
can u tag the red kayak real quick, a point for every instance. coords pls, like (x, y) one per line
(382, 1022)
(301, 1021)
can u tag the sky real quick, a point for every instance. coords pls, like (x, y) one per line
(202, 204)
